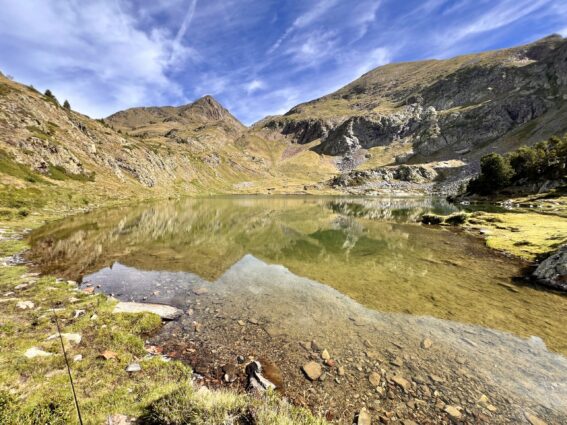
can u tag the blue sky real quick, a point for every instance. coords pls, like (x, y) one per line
(257, 57)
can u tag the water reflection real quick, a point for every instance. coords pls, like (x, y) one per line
(370, 250)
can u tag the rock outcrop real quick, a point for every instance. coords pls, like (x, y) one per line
(552, 271)
(444, 109)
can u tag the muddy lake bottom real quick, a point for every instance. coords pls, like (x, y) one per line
(419, 323)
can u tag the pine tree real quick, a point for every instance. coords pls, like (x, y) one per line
(67, 105)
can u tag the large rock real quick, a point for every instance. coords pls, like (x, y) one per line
(166, 312)
(552, 271)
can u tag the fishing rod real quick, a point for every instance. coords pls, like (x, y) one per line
(68, 369)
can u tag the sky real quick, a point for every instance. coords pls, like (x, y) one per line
(257, 57)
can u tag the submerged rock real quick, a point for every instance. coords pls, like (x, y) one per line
(256, 381)
(166, 312)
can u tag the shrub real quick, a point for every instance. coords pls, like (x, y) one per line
(456, 219)
(431, 219)
(67, 105)
(51, 97)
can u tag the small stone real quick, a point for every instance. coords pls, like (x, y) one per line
(375, 379)
(315, 346)
(197, 326)
(119, 420)
(325, 355)
(330, 363)
(312, 370)
(69, 337)
(108, 355)
(436, 379)
(25, 305)
(254, 321)
(241, 322)
(397, 362)
(36, 352)
(402, 382)
(426, 344)
(240, 359)
(89, 291)
(200, 291)
(78, 313)
(133, 367)
(94, 316)
(78, 358)
(341, 371)
(534, 420)
(453, 412)
(21, 286)
(166, 312)
(364, 417)
(408, 422)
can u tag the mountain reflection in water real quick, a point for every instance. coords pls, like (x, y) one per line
(368, 249)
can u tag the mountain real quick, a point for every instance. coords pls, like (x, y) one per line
(161, 120)
(438, 110)
(405, 127)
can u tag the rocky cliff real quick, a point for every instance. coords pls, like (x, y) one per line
(458, 108)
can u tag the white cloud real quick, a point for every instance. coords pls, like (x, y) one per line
(254, 86)
(563, 32)
(92, 53)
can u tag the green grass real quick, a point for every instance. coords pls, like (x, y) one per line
(57, 172)
(10, 167)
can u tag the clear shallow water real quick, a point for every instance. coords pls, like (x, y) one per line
(359, 276)
(368, 249)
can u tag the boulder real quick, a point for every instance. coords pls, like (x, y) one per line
(36, 352)
(552, 271)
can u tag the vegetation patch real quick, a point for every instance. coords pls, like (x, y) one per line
(57, 172)
(12, 168)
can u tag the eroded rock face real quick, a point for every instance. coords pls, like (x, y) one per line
(552, 271)
(453, 106)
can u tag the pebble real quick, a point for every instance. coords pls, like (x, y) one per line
(312, 370)
(200, 291)
(21, 286)
(426, 344)
(241, 322)
(133, 367)
(364, 417)
(341, 371)
(453, 412)
(375, 379)
(25, 305)
(534, 420)
(78, 358)
(36, 352)
(69, 337)
(402, 382)
(325, 355)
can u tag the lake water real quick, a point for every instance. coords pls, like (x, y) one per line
(357, 275)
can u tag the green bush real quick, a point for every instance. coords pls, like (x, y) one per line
(431, 219)
(545, 161)
(456, 219)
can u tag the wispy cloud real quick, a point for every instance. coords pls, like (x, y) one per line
(259, 57)
(307, 18)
